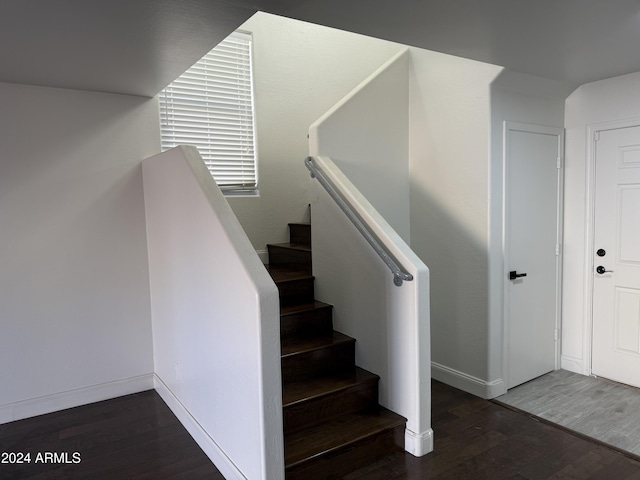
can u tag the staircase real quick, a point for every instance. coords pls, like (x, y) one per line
(333, 423)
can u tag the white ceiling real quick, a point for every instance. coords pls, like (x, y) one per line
(121, 46)
(577, 41)
(138, 46)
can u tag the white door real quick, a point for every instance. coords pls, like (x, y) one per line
(532, 240)
(616, 283)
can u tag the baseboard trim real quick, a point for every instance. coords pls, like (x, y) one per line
(468, 383)
(573, 364)
(418, 444)
(199, 434)
(74, 398)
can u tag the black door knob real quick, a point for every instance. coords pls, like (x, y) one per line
(600, 269)
(514, 274)
(601, 252)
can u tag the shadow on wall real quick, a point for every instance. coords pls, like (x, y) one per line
(458, 264)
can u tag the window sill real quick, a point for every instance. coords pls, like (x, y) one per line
(241, 193)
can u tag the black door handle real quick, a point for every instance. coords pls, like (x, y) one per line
(602, 270)
(513, 275)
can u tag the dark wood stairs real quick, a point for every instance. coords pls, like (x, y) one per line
(333, 423)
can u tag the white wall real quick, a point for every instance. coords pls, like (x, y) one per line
(74, 290)
(450, 114)
(300, 71)
(456, 111)
(367, 136)
(216, 319)
(604, 101)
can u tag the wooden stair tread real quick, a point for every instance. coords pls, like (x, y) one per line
(303, 307)
(284, 274)
(311, 387)
(305, 317)
(337, 433)
(296, 345)
(293, 246)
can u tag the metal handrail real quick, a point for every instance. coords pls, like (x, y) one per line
(398, 275)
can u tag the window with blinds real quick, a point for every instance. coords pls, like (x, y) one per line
(211, 106)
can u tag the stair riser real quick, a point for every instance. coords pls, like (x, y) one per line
(300, 234)
(289, 258)
(335, 358)
(295, 292)
(348, 458)
(307, 323)
(314, 411)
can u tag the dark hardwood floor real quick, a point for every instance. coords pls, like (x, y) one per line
(477, 439)
(132, 437)
(137, 437)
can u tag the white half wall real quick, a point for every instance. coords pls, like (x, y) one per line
(390, 323)
(300, 71)
(367, 136)
(215, 313)
(611, 100)
(75, 324)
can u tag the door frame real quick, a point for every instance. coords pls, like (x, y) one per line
(593, 130)
(509, 126)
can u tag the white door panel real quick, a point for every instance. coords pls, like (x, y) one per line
(629, 224)
(616, 285)
(532, 234)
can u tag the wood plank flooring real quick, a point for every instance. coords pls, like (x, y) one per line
(137, 437)
(477, 439)
(132, 437)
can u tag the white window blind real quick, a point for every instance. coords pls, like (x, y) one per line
(211, 106)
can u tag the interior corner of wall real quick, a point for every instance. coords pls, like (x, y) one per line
(467, 383)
